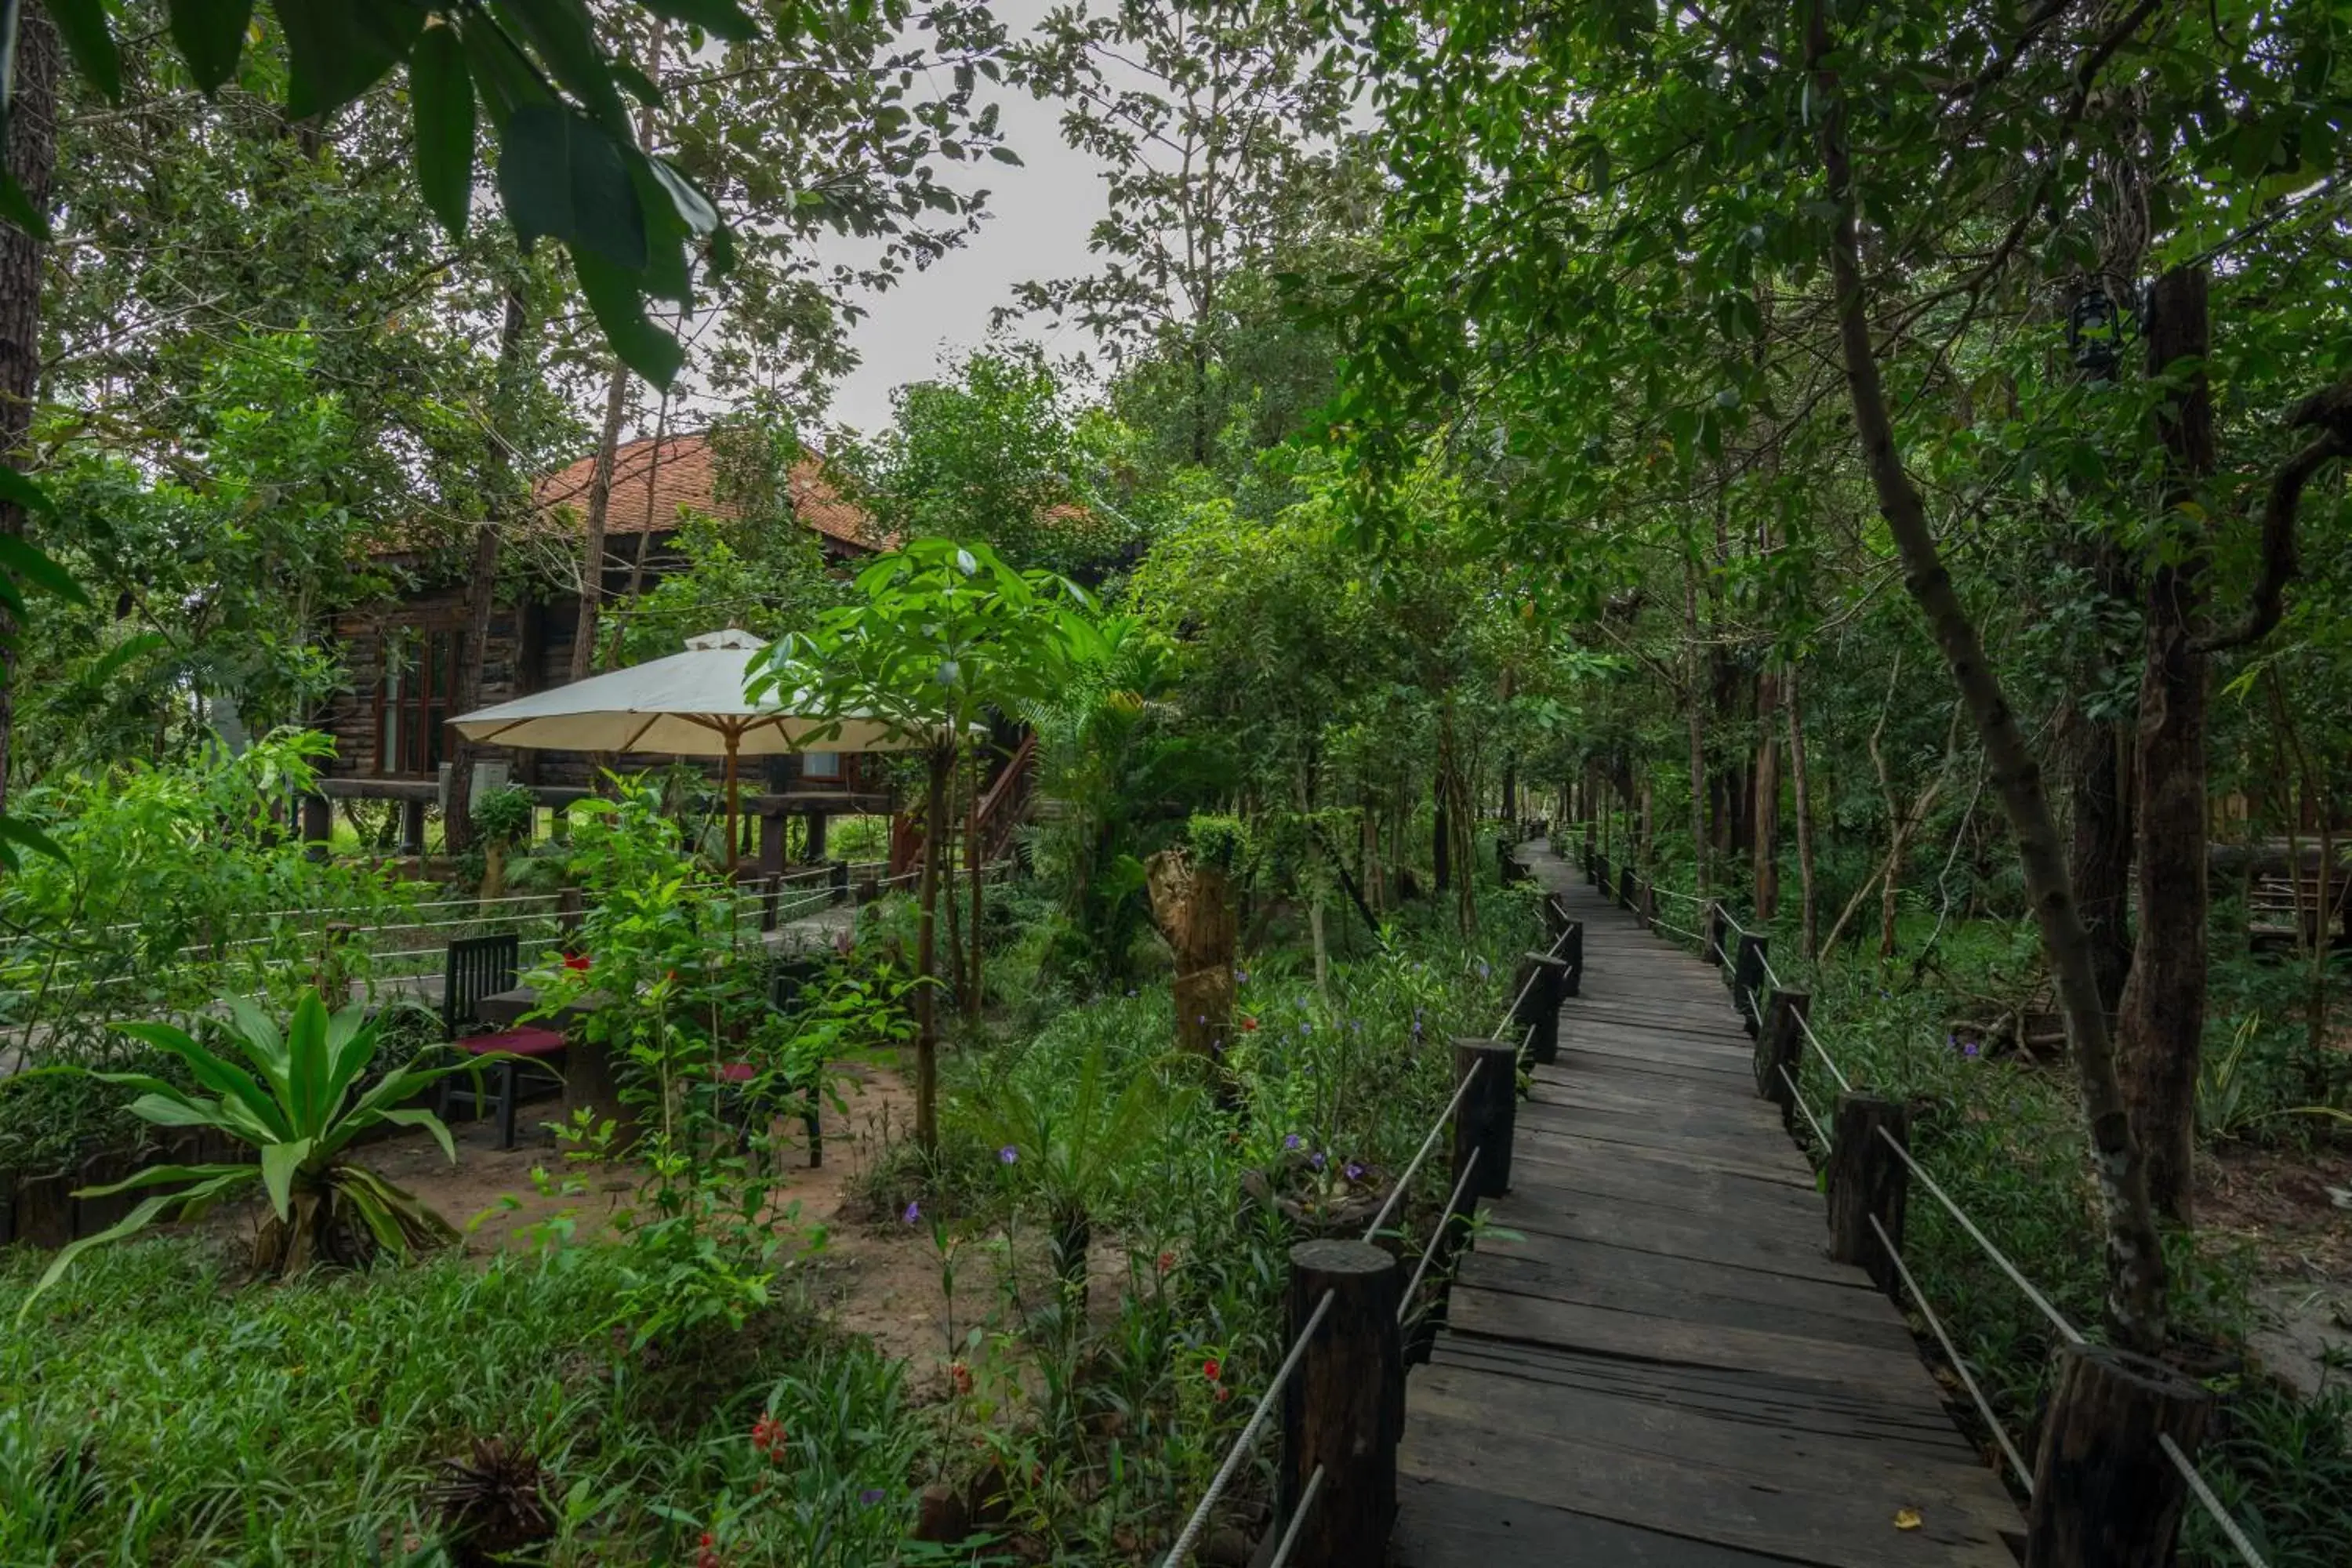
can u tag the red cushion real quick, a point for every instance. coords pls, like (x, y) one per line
(738, 1072)
(526, 1042)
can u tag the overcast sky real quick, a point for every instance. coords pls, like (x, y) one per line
(1039, 216)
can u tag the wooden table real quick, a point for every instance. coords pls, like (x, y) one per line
(588, 1081)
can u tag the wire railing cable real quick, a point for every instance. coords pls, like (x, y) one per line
(1823, 1051)
(2212, 1504)
(2066, 1330)
(1242, 1445)
(1404, 1182)
(1952, 1353)
(1436, 1236)
(1798, 1096)
(1298, 1519)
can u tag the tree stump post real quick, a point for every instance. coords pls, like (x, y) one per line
(1192, 903)
(1572, 953)
(1343, 1408)
(1748, 982)
(1626, 888)
(2105, 1495)
(1538, 986)
(1866, 1180)
(1598, 872)
(1780, 1044)
(412, 826)
(1508, 869)
(1489, 1109)
(1717, 927)
(318, 826)
(771, 842)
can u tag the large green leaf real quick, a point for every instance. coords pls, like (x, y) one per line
(351, 1046)
(279, 1164)
(561, 176)
(337, 49)
(243, 1101)
(441, 98)
(211, 35)
(620, 310)
(156, 1175)
(258, 1036)
(561, 33)
(307, 1105)
(414, 1117)
(82, 24)
(137, 1220)
(15, 832)
(719, 18)
(19, 487)
(27, 563)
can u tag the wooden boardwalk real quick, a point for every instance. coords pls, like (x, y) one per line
(1666, 1371)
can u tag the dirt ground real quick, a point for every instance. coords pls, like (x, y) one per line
(875, 1275)
(2294, 1210)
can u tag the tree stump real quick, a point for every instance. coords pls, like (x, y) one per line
(1193, 904)
(1343, 1409)
(2105, 1495)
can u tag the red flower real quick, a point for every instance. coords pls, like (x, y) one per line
(1223, 1394)
(1249, 1023)
(576, 962)
(768, 1437)
(1166, 1261)
(963, 1377)
(1211, 1369)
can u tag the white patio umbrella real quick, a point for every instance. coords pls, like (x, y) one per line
(689, 704)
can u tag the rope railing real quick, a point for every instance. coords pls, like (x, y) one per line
(1952, 1353)
(1404, 1183)
(1436, 1237)
(2204, 1494)
(1844, 1085)
(2066, 1331)
(1248, 1438)
(1306, 1497)
(1797, 1098)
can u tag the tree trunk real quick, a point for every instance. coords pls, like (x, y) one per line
(2099, 861)
(1697, 721)
(972, 857)
(482, 579)
(32, 156)
(927, 929)
(2136, 1302)
(2162, 1019)
(608, 441)
(1766, 812)
(1800, 783)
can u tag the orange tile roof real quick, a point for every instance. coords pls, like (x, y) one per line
(650, 484)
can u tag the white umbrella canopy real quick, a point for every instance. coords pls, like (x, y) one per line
(689, 704)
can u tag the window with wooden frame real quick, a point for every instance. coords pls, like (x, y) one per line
(413, 697)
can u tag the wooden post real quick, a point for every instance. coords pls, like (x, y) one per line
(771, 842)
(1538, 986)
(1343, 1409)
(1625, 887)
(318, 826)
(1599, 872)
(1645, 908)
(1867, 1179)
(412, 826)
(1507, 869)
(1717, 927)
(1571, 952)
(1489, 1109)
(1780, 1043)
(1747, 981)
(2104, 1493)
(816, 826)
(838, 879)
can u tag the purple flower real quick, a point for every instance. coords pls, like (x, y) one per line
(1355, 1171)
(914, 1213)
(1482, 971)
(1200, 1017)
(1316, 1161)
(1306, 1028)
(1357, 1025)
(1416, 1027)
(1291, 1142)
(1130, 993)
(870, 1496)
(1009, 1154)
(1240, 976)
(1971, 1047)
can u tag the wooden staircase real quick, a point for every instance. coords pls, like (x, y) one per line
(1004, 805)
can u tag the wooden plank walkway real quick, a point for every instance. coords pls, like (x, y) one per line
(1667, 1371)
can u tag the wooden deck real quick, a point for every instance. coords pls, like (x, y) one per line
(1666, 1371)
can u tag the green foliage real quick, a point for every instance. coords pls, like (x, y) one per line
(504, 815)
(163, 1392)
(292, 1101)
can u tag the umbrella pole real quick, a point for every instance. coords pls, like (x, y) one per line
(733, 829)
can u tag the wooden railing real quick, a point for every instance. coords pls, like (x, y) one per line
(1003, 806)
